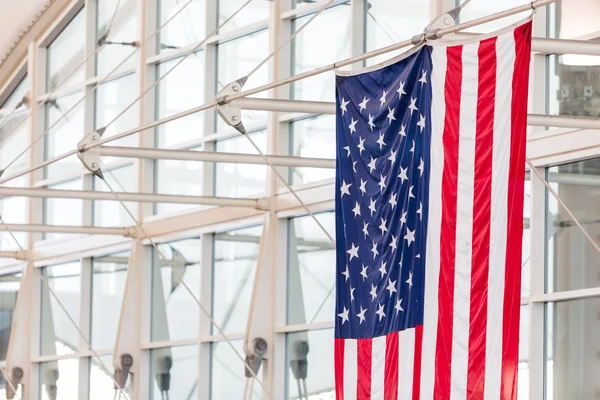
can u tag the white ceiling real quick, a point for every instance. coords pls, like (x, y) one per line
(15, 16)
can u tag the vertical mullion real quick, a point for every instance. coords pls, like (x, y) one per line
(358, 28)
(209, 55)
(85, 326)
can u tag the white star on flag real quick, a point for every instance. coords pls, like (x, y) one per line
(363, 186)
(344, 315)
(382, 227)
(403, 218)
(363, 273)
(421, 122)
(372, 206)
(410, 236)
(410, 194)
(347, 148)
(398, 306)
(409, 280)
(392, 157)
(394, 243)
(352, 125)
(420, 211)
(371, 123)
(382, 183)
(423, 77)
(391, 286)
(353, 252)
(380, 141)
(382, 99)
(380, 312)
(345, 188)
(361, 145)
(352, 293)
(365, 231)
(361, 315)
(356, 210)
(402, 174)
(363, 105)
(343, 106)
(373, 292)
(382, 269)
(421, 167)
(393, 201)
(346, 273)
(390, 115)
(354, 166)
(402, 130)
(413, 105)
(401, 90)
(374, 250)
(371, 165)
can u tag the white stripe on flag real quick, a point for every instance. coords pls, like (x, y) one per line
(464, 223)
(377, 367)
(350, 369)
(406, 358)
(432, 266)
(505, 52)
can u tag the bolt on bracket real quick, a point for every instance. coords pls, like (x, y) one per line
(232, 115)
(91, 161)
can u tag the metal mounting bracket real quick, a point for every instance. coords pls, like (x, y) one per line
(91, 161)
(232, 115)
(257, 350)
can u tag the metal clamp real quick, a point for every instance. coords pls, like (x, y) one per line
(257, 352)
(91, 161)
(232, 115)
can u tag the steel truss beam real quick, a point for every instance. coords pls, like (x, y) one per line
(210, 156)
(91, 230)
(133, 197)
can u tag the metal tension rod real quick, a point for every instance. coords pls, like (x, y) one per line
(322, 107)
(89, 230)
(211, 156)
(134, 197)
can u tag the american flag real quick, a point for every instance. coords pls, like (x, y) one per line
(429, 204)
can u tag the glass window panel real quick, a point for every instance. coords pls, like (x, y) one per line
(102, 386)
(58, 335)
(574, 87)
(64, 122)
(174, 372)
(313, 137)
(18, 93)
(108, 286)
(235, 255)
(9, 287)
(309, 359)
(186, 28)
(175, 313)
(112, 213)
(66, 53)
(567, 21)
(112, 98)
(572, 349)
(526, 249)
(58, 379)
(13, 211)
(253, 12)
(180, 90)
(123, 29)
(11, 146)
(12, 120)
(481, 8)
(318, 45)
(391, 21)
(178, 177)
(241, 180)
(311, 270)
(236, 59)
(227, 372)
(63, 211)
(572, 261)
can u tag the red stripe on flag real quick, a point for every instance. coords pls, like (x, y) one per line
(443, 350)
(482, 203)
(364, 361)
(514, 231)
(416, 390)
(339, 368)
(390, 379)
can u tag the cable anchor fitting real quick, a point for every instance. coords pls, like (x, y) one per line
(232, 115)
(90, 160)
(257, 351)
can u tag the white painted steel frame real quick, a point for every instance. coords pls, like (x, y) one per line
(548, 147)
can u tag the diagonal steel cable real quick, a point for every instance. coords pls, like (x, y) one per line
(61, 305)
(104, 79)
(181, 281)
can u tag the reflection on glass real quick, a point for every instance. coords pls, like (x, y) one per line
(13, 145)
(572, 349)
(391, 21)
(572, 261)
(102, 386)
(180, 90)
(13, 211)
(112, 98)
(318, 45)
(235, 255)
(175, 313)
(123, 29)
(311, 270)
(65, 53)
(236, 59)
(573, 85)
(178, 177)
(58, 335)
(253, 12)
(9, 286)
(112, 213)
(241, 180)
(13, 114)
(309, 358)
(312, 137)
(227, 372)
(58, 379)
(63, 211)
(186, 28)
(64, 116)
(174, 372)
(108, 286)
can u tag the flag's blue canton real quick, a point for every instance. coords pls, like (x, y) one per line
(383, 155)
